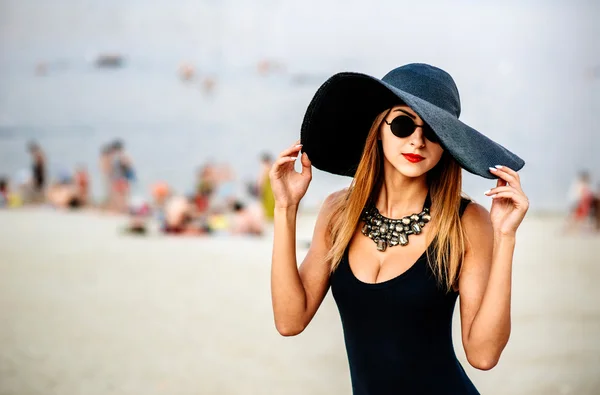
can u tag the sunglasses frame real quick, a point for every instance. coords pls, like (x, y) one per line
(427, 131)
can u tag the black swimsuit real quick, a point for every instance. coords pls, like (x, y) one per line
(398, 333)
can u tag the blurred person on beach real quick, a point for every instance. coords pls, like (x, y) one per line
(64, 193)
(263, 185)
(82, 183)
(106, 173)
(180, 218)
(247, 219)
(400, 244)
(38, 170)
(4, 194)
(581, 199)
(596, 209)
(206, 184)
(122, 176)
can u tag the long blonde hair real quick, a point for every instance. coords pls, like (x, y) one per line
(444, 180)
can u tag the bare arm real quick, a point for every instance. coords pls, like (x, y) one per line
(298, 293)
(485, 290)
(485, 280)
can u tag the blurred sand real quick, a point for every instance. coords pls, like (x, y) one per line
(87, 310)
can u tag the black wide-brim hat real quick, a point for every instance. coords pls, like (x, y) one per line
(340, 115)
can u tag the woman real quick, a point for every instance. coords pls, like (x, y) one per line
(401, 243)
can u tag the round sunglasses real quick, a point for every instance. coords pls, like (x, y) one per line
(403, 126)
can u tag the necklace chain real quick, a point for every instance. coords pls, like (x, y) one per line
(392, 232)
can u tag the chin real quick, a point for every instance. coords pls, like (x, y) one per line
(412, 170)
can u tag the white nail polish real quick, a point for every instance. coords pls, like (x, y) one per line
(488, 191)
(493, 169)
(299, 145)
(498, 167)
(292, 158)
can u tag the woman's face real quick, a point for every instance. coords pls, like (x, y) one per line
(413, 155)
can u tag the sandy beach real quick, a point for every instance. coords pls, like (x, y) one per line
(85, 309)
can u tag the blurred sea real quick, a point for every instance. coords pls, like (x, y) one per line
(528, 74)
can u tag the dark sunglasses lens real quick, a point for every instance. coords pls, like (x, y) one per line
(402, 126)
(430, 135)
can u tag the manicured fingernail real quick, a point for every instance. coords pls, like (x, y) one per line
(488, 191)
(493, 169)
(498, 167)
(299, 145)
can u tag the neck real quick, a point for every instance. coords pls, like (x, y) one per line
(400, 195)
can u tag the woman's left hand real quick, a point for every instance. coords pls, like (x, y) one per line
(509, 203)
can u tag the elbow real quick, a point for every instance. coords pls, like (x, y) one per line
(483, 362)
(487, 355)
(288, 330)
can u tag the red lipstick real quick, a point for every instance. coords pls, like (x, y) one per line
(413, 158)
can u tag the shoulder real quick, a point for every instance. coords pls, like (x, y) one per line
(475, 215)
(333, 200)
(476, 223)
(330, 207)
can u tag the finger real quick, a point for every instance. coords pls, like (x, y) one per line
(285, 159)
(306, 165)
(293, 150)
(518, 199)
(280, 162)
(496, 190)
(509, 178)
(510, 171)
(500, 183)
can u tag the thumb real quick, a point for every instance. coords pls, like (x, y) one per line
(306, 165)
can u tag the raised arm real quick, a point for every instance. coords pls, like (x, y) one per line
(485, 280)
(296, 293)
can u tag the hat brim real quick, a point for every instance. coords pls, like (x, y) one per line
(341, 113)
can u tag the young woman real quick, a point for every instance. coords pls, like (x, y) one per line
(401, 243)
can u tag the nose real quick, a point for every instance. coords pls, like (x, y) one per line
(417, 139)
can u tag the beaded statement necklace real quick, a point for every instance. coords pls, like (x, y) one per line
(392, 232)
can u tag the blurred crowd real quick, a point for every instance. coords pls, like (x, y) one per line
(217, 203)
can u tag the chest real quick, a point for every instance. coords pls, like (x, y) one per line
(368, 282)
(369, 265)
(412, 296)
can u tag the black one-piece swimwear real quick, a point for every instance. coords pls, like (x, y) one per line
(398, 333)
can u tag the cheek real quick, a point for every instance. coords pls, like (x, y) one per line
(436, 154)
(390, 147)
(435, 157)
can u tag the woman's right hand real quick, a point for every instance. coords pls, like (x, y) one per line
(287, 184)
